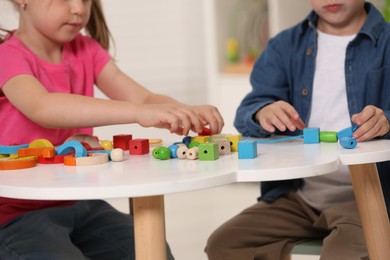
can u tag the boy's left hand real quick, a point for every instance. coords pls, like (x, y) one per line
(372, 123)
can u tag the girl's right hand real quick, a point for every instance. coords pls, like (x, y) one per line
(177, 119)
(280, 115)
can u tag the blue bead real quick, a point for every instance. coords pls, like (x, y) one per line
(348, 142)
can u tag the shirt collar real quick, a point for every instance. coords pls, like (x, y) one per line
(372, 27)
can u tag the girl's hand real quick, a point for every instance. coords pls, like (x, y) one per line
(209, 115)
(179, 119)
(280, 115)
(372, 123)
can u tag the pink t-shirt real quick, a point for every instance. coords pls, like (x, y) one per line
(82, 61)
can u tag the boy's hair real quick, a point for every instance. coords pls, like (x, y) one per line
(96, 27)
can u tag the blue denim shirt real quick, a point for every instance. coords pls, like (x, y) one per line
(285, 71)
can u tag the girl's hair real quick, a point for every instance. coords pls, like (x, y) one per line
(96, 27)
(3, 33)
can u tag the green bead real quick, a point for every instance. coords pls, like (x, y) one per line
(164, 153)
(193, 144)
(156, 152)
(161, 152)
(328, 136)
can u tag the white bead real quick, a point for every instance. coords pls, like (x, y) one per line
(117, 155)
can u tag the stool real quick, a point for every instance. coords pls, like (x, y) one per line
(311, 247)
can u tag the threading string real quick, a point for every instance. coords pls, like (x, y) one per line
(275, 140)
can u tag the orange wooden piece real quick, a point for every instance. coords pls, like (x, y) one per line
(15, 164)
(69, 160)
(52, 160)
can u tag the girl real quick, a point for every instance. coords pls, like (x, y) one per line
(48, 70)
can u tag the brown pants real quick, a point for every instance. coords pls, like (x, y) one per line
(267, 231)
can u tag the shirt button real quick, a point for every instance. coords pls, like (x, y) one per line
(305, 92)
(309, 51)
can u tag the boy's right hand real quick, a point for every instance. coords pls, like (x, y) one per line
(279, 115)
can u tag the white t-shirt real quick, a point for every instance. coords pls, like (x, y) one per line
(329, 112)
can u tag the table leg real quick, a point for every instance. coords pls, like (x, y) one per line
(372, 209)
(149, 228)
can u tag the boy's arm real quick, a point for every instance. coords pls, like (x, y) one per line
(269, 84)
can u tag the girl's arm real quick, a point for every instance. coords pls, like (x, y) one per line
(59, 110)
(118, 86)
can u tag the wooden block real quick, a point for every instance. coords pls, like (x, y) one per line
(234, 139)
(200, 139)
(223, 145)
(247, 150)
(311, 135)
(16, 164)
(208, 152)
(139, 146)
(122, 141)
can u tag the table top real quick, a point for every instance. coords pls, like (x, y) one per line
(142, 175)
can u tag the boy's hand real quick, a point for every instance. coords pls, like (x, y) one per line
(280, 115)
(372, 123)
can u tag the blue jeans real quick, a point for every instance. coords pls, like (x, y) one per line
(86, 230)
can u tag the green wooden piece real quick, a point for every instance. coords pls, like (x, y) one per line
(208, 151)
(328, 136)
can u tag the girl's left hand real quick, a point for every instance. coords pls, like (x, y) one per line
(372, 123)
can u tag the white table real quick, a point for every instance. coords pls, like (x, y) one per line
(141, 177)
(146, 180)
(368, 192)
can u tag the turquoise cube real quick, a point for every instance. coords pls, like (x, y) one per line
(311, 135)
(247, 149)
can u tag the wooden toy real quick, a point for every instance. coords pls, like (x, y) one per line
(181, 152)
(161, 152)
(187, 140)
(193, 144)
(208, 152)
(348, 142)
(122, 141)
(19, 163)
(11, 149)
(247, 149)
(44, 152)
(57, 159)
(223, 145)
(192, 153)
(139, 146)
(328, 136)
(40, 143)
(200, 139)
(173, 148)
(154, 142)
(93, 141)
(117, 155)
(72, 146)
(311, 135)
(205, 131)
(106, 145)
(234, 139)
(93, 159)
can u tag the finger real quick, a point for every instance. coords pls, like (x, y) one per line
(365, 115)
(291, 118)
(267, 125)
(278, 123)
